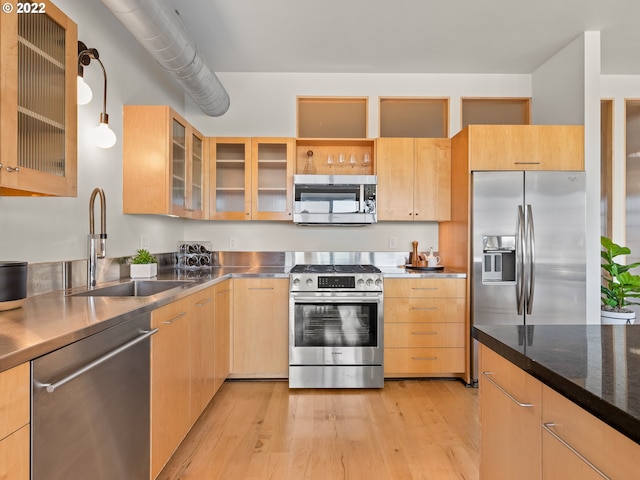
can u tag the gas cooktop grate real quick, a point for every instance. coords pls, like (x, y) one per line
(329, 269)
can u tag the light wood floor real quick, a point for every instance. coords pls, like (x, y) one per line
(262, 430)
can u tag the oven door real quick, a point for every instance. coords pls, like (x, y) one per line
(335, 328)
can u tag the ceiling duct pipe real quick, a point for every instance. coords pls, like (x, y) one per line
(157, 26)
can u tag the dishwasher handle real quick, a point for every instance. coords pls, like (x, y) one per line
(51, 387)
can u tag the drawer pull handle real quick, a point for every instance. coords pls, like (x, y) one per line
(424, 358)
(424, 333)
(511, 397)
(527, 163)
(548, 428)
(204, 302)
(425, 308)
(425, 288)
(173, 319)
(260, 288)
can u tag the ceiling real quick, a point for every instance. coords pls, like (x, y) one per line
(407, 36)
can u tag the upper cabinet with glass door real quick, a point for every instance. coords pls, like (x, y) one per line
(38, 106)
(163, 163)
(272, 162)
(230, 178)
(251, 178)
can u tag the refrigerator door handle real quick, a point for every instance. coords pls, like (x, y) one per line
(532, 259)
(520, 249)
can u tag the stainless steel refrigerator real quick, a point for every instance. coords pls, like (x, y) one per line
(528, 247)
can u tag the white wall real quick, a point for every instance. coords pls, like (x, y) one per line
(560, 81)
(264, 104)
(571, 78)
(51, 229)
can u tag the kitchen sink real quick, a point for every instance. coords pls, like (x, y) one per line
(135, 288)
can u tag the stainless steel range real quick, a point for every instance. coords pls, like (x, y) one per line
(336, 327)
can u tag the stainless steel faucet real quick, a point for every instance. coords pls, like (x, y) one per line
(97, 242)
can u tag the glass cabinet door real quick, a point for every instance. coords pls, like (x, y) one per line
(38, 142)
(230, 179)
(272, 170)
(178, 165)
(197, 175)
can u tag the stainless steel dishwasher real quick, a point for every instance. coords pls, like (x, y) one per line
(90, 407)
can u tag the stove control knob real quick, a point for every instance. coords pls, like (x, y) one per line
(378, 282)
(360, 282)
(309, 282)
(369, 282)
(296, 281)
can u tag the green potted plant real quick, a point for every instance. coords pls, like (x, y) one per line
(143, 265)
(620, 287)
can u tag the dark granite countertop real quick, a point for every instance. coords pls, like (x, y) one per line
(594, 366)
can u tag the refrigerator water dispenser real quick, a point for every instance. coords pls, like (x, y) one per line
(499, 259)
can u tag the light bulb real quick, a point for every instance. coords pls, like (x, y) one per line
(84, 92)
(103, 136)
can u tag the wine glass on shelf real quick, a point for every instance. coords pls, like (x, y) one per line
(330, 161)
(352, 160)
(341, 160)
(366, 160)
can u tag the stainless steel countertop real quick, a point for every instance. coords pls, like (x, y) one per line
(401, 272)
(50, 321)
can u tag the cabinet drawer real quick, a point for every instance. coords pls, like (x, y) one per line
(170, 312)
(15, 394)
(423, 360)
(14, 455)
(424, 335)
(424, 310)
(509, 377)
(607, 449)
(424, 287)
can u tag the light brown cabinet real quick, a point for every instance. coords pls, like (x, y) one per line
(223, 315)
(414, 177)
(510, 414)
(164, 163)
(203, 346)
(251, 178)
(189, 363)
(260, 328)
(424, 327)
(15, 391)
(272, 162)
(525, 147)
(38, 106)
(576, 444)
(170, 381)
(530, 431)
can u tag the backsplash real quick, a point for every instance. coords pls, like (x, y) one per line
(52, 276)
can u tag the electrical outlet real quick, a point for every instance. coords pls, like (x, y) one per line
(144, 241)
(393, 242)
(233, 243)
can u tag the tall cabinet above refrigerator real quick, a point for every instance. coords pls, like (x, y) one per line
(518, 225)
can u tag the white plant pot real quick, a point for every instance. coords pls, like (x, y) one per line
(617, 318)
(144, 270)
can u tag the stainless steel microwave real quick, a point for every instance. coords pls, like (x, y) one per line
(334, 199)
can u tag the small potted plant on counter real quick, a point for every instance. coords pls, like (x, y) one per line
(619, 286)
(144, 265)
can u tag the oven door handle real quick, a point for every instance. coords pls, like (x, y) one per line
(364, 298)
